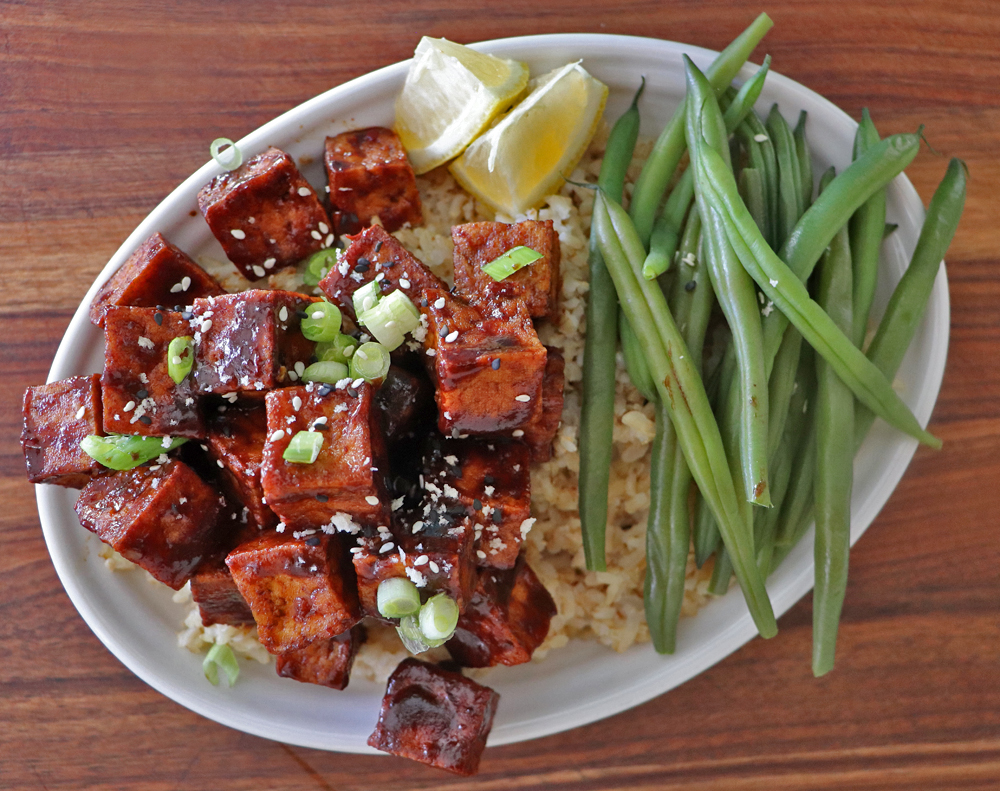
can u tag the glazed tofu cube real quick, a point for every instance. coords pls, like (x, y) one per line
(236, 440)
(158, 273)
(435, 717)
(325, 662)
(492, 482)
(487, 365)
(138, 393)
(538, 434)
(348, 476)
(479, 243)
(372, 253)
(406, 404)
(250, 341)
(299, 589)
(56, 417)
(265, 214)
(369, 176)
(161, 517)
(219, 600)
(506, 620)
(433, 549)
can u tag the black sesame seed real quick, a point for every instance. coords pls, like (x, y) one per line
(302, 314)
(361, 267)
(378, 246)
(497, 516)
(187, 315)
(325, 389)
(160, 307)
(423, 302)
(178, 308)
(320, 427)
(227, 432)
(158, 318)
(443, 332)
(690, 285)
(489, 480)
(477, 504)
(322, 498)
(385, 285)
(312, 541)
(141, 394)
(146, 420)
(363, 261)
(495, 365)
(352, 392)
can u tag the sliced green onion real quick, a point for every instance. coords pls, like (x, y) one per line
(438, 617)
(304, 447)
(326, 371)
(397, 597)
(233, 157)
(180, 358)
(366, 298)
(339, 350)
(514, 259)
(390, 320)
(125, 451)
(220, 655)
(370, 362)
(322, 321)
(319, 264)
(413, 639)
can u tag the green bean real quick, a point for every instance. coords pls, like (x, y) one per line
(789, 178)
(681, 390)
(834, 462)
(669, 147)
(867, 227)
(751, 184)
(797, 510)
(782, 386)
(722, 574)
(760, 150)
(660, 548)
(598, 407)
(736, 294)
(662, 246)
(906, 306)
(788, 293)
(805, 160)
(635, 360)
(744, 100)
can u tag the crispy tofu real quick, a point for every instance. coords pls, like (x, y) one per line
(435, 717)
(219, 600)
(324, 662)
(506, 620)
(372, 253)
(265, 214)
(162, 517)
(250, 341)
(540, 432)
(347, 478)
(487, 365)
(138, 394)
(56, 417)
(369, 176)
(300, 590)
(536, 285)
(157, 274)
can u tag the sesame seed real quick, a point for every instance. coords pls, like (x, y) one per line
(300, 367)
(206, 325)
(477, 504)
(523, 398)
(497, 516)
(431, 352)
(316, 235)
(176, 287)
(238, 234)
(495, 365)
(141, 394)
(417, 527)
(270, 262)
(404, 283)
(304, 191)
(517, 433)
(421, 560)
(451, 337)
(259, 271)
(283, 314)
(158, 318)
(357, 383)
(251, 220)
(185, 283)
(279, 434)
(219, 462)
(480, 554)
(80, 412)
(328, 240)
(296, 403)
(690, 285)
(146, 420)
(324, 228)
(433, 567)
(761, 138)
(129, 406)
(386, 547)
(371, 499)
(322, 498)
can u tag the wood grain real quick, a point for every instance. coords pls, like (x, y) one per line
(109, 105)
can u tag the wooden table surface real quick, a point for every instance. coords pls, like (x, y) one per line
(107, 106)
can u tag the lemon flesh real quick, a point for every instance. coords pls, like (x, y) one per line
(451, 95)
(528, 154)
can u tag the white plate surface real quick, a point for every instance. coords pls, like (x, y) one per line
(581, 683)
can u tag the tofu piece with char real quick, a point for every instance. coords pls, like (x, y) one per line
(491, 480)
(249, 342)
(432, 546)
(158, 273)
(374, 252)
(300, 590)
(324, 662)
(56, 416)
(405, 402)
(536, 285)
(265, 214)
(369, 176)
(487, 365)
(161, 517)
(138, 394)
(236, 439)
(506, 620)
(347, 477)
(219, 600)
(435, 717)
(538, 434)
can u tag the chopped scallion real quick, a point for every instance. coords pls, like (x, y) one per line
(370, 362)
(397, 597)
(231, 159)
(438, 617)
(413, 639)
(304, 447)
(124, 451)
(366, 298)
(390, 319)
(507, 264)
(180, 358)
(339, 350)
(220, 655)
(322, 322)
(326, 371)
(319, 264)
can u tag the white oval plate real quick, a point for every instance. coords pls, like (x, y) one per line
(576, 685)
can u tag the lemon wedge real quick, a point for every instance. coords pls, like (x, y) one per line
(525, 157)
(451, 94)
